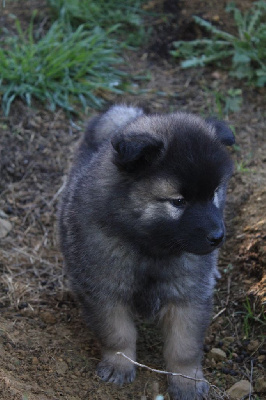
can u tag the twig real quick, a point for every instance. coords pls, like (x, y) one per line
(30, 256)
(219, 313)
(251, 377)
(58, 192)
(167, 373)
(215, 388)
(160, 371)
(228, 290)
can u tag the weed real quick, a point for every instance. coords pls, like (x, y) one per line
(250, 317)
(61, 69)
(126, 17)
(246, 51)
(229, 102)
(75, 61)
(228, 269)
(241, 167)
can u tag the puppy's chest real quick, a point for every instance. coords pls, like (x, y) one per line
(190, 278)
(158, 285)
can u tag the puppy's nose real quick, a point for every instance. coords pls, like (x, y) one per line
(215, 237)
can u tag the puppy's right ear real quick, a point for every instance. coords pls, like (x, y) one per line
(222, 130)
(135, 150)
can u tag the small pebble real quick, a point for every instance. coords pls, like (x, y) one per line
(239, 389)
(253, 345)
(260, 385)
(217, 354)
(61, 367)
(34, 361)
(261, 359)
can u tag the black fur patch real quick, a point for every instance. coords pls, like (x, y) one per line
(199, 162)
(135, 151)
(223, 131)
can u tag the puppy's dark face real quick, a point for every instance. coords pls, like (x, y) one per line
(173, 181)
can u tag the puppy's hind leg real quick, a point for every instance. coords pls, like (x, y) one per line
(117, 333)
(184, 328)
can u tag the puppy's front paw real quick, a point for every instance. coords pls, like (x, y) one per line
(188, 390)
(117, 374)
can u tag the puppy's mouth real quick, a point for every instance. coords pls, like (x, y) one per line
(203, 248)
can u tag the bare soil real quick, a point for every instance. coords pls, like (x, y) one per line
(46, 351)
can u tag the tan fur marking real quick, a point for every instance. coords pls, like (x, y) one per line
(163, 188)
(181, 350)
(178, 327)
(121, 336)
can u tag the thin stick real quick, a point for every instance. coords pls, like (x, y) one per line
(228, 290)
(160, 371)
(62, 187)
(219, 313)
(30, 256)
(251, 377)
(170, 373)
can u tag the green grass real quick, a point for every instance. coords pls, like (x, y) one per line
(226, 103)
(61, 69)
(250, 317)
(127, 16)
(243, 54)
(75, 62)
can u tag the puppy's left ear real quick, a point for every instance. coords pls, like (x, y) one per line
(222, 131)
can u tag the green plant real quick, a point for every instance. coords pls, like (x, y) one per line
(127, 17)
(241, 166)
(228, 269)
(246, 52)
(229, 102)
(63, 68)
(250, 317)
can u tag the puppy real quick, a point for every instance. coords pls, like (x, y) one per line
(141, 222)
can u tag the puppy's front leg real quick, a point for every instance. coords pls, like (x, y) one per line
(184, 328)
(117, 333)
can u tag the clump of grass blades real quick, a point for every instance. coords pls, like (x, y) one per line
(104, 13)
(247, 50)
(63, 68)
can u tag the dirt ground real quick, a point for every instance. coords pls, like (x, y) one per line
(46, 351)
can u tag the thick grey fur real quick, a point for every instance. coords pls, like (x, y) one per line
(104, 220)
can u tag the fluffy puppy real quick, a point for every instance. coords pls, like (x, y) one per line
(141, 222)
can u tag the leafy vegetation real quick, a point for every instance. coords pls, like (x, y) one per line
(245, 53)
(126, 17)
(73, 63)
(229, 102)
(61, 68)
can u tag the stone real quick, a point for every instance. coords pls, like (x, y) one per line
(260, 385)
(34, 361)
(61, 367)
(261, 358)
(217, 354)
(253, 345)
(5, 228)
(239, 390)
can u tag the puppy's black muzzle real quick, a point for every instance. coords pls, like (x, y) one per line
(203, 228)
(215, 237)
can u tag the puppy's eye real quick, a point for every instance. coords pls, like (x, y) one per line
(180, 202)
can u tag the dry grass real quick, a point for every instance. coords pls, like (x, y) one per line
(31, 265)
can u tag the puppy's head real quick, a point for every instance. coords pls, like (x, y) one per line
(174, 170)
